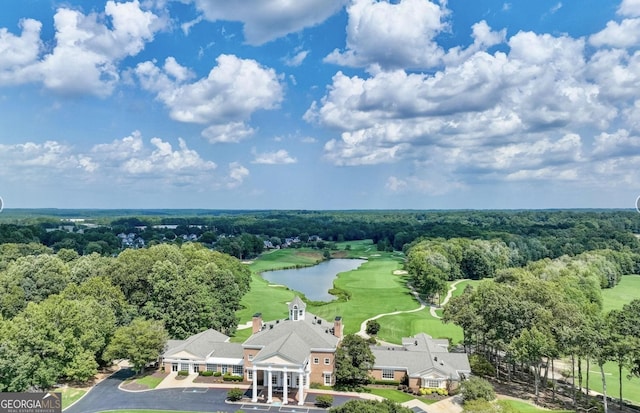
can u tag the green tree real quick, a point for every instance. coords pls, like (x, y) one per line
(373, 326)
(530, 347)
(56, 339)
(141, 342)
(477, 388)
(370, 406)
(354, 360)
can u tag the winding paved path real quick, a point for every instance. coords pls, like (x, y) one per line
(452, 288)
(363, 327)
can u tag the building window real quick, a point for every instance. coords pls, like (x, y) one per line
(250, 374)
(174, 367)
(387, 374)
(274, 379)
(327, 361)
(225, 368)
(433, 383)
(196, 368)
(327, 379)
(212, 367)
(250, 357)
(316, 360)
(184, 366)
(237, 370)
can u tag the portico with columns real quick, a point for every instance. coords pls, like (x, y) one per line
(288, 354)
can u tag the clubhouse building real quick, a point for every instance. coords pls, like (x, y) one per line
(283, 357)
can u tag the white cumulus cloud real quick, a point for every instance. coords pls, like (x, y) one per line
(278, 157)
(266, 20)
(392, 35)
(86, 52)
(228, 96)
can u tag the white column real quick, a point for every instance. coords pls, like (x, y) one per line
(300, 389)
(254, 396)
(308, 380)
(270, 388)
(285, 390)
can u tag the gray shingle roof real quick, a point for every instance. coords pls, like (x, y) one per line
(293, 340)
(200, 345)
(421, 354)
(297, 301)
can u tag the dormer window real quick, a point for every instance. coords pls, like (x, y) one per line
(296, 309)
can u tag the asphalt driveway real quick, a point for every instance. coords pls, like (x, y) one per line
(106, 396)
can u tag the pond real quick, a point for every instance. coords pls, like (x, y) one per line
(314, 282)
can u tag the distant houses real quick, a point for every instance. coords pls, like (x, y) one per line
(131, 240)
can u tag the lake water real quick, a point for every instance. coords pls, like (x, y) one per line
(314, 282)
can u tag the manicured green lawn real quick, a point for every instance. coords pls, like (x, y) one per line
(630, 387)
(462, 285)
(614, 298)
(286, 258)
(241, 336)
(375, 278)
(393, 328)
(374, 290)
(262, 298)
(149, 381)
(628, 289)
(523, 407)
(70, 395)
(391, 394)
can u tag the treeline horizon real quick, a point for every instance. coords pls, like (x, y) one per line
(536, 233)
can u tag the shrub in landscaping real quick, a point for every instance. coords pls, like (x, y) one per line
(235, 394)
(229, 377)
(183, 373)
(207, 373)
(373, 326)
(477, 388)
(217, 374)
(324, 401)
(386, 382)
(480, 366)
(479, 406)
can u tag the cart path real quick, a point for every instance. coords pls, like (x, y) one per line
(452, 288)
(363, 327)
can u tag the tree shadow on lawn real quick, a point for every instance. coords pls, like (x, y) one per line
(141, 381)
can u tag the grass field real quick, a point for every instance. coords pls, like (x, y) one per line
(375, 278)
(372, 279)
(393, 328)
(70, 395)
(630, 387)
(149, 381)
(286, 258)
(628, 289)
(615, 298)
(391, 394)
(523, 407)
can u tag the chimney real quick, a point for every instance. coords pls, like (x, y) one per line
(337, 327)
(256, 323)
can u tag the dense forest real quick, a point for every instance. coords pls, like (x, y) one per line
(535, 234)
(63, 315)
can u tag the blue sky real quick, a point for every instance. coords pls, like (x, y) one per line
(320, 104)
